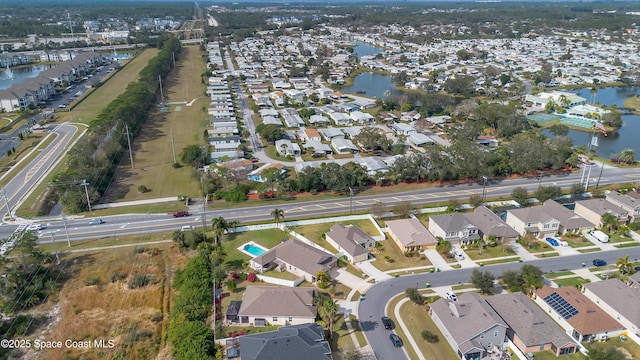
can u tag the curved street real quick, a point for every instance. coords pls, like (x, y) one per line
(373, 307)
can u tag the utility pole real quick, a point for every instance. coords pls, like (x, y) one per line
(586, 182)
(6, 201)
(86, 191)
(204, 209)
(161, 94)
(173, 54)
(55, 247)
(484, 188)
(64, 220)
(599, 176)
(129, 142)
(173, 146)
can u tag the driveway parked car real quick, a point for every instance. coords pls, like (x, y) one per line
(458, 255)
(388, 324)
(96, 221)
(552, 241)
(451, 296)
(599, 262)
(395, 340)
(180, 213)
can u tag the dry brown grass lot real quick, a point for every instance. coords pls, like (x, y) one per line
(153, 158)
(93, 306)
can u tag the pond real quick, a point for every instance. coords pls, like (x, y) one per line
(18, 75)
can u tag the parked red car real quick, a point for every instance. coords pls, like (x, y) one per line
(180, 213)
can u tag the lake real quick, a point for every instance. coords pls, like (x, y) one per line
(370, 84)
(19, 75)
(625, 137)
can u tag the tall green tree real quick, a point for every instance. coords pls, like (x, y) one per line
(328, 311)
(520, 195)
(610, 221)
(627, 156)
(482, 280)
(624, 265)
(193, 155)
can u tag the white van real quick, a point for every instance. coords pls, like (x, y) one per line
(602, 237)
(186, 228)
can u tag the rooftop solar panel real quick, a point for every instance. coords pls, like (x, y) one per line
(560, 305)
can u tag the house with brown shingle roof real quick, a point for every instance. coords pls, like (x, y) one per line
(466, 228)
(277, 305)
(578, 315)
(530, 329)
(410, 235)
(295, 257)
(352, 241)
(617, 299)
(546, 220)
(469, 324)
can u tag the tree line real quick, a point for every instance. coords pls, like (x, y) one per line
(97, 155)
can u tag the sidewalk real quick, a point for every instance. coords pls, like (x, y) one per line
(522, 252)
(437, 260)
(136, 202)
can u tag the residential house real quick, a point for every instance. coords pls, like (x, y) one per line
(454, 227)
(578, 315)
(373, 165)
(634, 280)
(350, 240)
(319, 120)
(487, 140)
(403, 129)
(546, 220)
(469, 325)
(295, 257)
(530, 329)
(340, 118)
(285, 147)
(291, 117)
(319, 149)
(331, 133)
(594, 209)
(410, 116)
(618, 300)
(309, 135)
(419, 140)
(491, 225)
(630, 203)
(277, 305)
(343, 146)
(410, 235)
(361, 117)
(256, 175)
(305, 341)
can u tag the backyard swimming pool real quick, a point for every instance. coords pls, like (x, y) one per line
(252, 249)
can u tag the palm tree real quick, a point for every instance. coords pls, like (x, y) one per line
(219, 225)
(609, 220)
(233, 224)
(624, 265)
(277, 215)
(627, 156)
(328, 311)
(322, 277)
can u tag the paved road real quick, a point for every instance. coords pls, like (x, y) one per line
(372, 308)
(145, 223)
(21, 183)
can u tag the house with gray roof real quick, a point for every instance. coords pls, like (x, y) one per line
(469, 325)
(618, 300)
(491, 225)
(454, 227)
(410, 235)
(277, 305)
(351, 241)
(305, 341)
(546, 220)
(629, 203)
(343, 146)
(594, 209)
(530, 329)
(295, 257)
(331, 133)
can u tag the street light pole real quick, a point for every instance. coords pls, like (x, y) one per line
(350, 200)
(484, 188)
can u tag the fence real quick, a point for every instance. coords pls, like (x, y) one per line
(283, 282)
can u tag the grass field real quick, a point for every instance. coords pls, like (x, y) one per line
(153, 156)
(92, 105)
(571, 281)
(315, 232)
(489, 252)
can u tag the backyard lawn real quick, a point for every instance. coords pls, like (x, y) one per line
(315, 232)
(397, 260)
(627, 346)
(267, 238)
(571, 281)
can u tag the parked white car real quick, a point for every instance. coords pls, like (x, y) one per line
(458, 255)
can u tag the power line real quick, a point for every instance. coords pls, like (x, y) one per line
(86, 184)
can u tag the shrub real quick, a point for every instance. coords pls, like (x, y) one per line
(117, 276)
(139, 280)
(139, 250)
(430, 337)
(142, 189)
(251, 277)
(92, 281)
(414, 295)
(176, 165)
